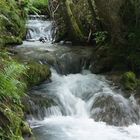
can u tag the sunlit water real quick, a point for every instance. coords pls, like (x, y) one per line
(81, 99)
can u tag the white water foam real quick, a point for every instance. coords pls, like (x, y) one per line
(81, 98)
(75, 95)
(37, 28)
(69, 128)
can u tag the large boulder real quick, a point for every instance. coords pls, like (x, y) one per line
(114, 110)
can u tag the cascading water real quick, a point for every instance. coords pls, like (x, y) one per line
(81, 98)
(86, 106)
(39, 27)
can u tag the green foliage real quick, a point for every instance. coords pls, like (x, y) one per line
(12, 22)
(130, 14)
(10, 72)
(100, 37)
(12, 80)
(129, 81)
(12, 88)
(14, 114)
(41, 5)
(136, 5)
(27, 7)
(26, 128)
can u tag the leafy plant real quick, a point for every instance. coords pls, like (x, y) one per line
(41, 5)
(100, 37)
(11, 87)
(12, 22)
(27, 6)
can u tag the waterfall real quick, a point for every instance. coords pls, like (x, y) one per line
(86, 106)
(39, 27)
(83, 99)
(86, 95)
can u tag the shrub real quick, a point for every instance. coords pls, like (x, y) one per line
(10, 72)
(129, 80)
(12, 22)
(41, 5)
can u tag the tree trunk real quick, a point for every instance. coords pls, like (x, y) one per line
(92, 11)
(76, 31)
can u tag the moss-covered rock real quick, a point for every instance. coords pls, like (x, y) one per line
(36, 73)
(129, 81)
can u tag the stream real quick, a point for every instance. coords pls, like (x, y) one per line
(87, 106)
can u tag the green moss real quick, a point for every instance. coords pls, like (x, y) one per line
(14, 130)
(36, 73)
(129, 81)
(11, 91)
(12, 22)
(13, 78)
(26, 128)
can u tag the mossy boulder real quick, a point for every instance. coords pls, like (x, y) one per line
(129, 81)
(36, 73)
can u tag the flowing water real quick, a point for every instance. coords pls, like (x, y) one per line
(87, 106)
(39, 26)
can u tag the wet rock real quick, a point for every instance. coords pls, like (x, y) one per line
(101, 66)
(114, 110)
(69, 63)
(101, 61)
(64, 59)
(43, 39)
(36, 104)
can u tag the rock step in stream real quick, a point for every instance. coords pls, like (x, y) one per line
(84, 105)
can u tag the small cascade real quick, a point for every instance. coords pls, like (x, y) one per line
(53, 111)
(84, 101)
(86, 95)
(38, 17)
(39, 28)
(75, 104)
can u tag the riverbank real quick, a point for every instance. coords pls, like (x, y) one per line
(15, 76)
